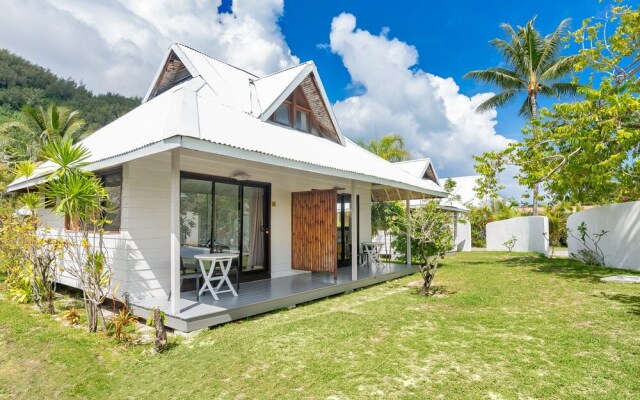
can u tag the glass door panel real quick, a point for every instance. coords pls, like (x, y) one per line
(254, 229)
(344, 229)
(196, 205)
(226, 227)
(339, 227)
(219, 215)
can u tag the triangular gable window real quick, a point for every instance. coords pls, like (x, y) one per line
(305, 111)
(173, 73)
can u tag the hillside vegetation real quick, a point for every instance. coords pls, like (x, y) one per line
(22, 82)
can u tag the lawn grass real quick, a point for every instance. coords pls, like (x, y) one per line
(501, 325)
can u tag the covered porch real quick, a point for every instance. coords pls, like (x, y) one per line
(298, 235)
(266, 295)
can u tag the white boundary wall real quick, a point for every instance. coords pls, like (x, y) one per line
(621, 246)
(463, 236)
(532, 234)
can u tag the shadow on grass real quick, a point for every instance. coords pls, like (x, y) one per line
(435, 291)
(562, 267)
(631, 301)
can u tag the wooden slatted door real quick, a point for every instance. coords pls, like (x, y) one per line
(314, 231)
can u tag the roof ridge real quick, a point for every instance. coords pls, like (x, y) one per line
(414, 160)
(286, 69)
(216, 59)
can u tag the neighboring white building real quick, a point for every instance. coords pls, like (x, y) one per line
(423, 168)
(245, 159)
(465, 190)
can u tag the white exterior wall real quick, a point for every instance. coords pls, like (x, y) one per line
(115, 244)
(621, 246)
(532, 234)
(146, 225)
(148, 204)
(140, 251)
(463, 236)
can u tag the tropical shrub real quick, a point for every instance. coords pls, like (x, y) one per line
(431, 230)
(590, 252)
(122, 324)
(72, 316)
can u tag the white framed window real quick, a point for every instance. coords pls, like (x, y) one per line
(302, 121)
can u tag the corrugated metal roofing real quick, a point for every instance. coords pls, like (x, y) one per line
(215, 106)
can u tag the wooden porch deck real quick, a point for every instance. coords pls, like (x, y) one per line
(265, 295)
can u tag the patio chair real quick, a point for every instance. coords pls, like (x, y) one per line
(185, 274)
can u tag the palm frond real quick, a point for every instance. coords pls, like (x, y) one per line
(35, 116)
(53, 115)
(551, 46)
(559, 68)
(502, 77)
(525, 109)
(497, 101)
(66, 155)
(560, 89)
(532, 39)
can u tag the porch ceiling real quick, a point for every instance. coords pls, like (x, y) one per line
(390, 193)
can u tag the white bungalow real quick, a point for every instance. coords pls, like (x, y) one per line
(219, 159)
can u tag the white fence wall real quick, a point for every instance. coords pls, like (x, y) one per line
(532, 234)
(463, 236)
(621, 246)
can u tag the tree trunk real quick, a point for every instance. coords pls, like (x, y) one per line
(160, 343)
(427, 278)
(92, 316)
(536, 189)
(533, 99)
(50, 292)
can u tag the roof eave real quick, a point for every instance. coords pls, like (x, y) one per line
(153, 148)
(229, 151)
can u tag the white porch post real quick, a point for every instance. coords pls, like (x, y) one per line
(408, 211)
(354, 232)
(175, 231)
(455, 231)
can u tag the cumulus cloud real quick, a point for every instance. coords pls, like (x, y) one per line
(432, 115)
(117, 45)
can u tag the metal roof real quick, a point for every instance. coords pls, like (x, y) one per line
(215, 107)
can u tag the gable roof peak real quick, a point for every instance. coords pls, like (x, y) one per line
(178, 44)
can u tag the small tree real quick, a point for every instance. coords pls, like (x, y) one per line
(431, 231)
(84, 202)
(29, 249)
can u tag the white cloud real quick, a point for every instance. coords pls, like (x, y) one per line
(117, 45)
(435, 119)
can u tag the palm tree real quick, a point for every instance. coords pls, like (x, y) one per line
(390, 147)
(40, 126)
(533, 68)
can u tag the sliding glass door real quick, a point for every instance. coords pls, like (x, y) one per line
(344, 229)
(223, 215)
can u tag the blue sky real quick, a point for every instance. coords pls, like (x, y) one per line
(452, 37)
(388, 67)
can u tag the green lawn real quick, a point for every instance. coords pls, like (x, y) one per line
(501, 326)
